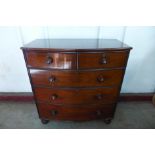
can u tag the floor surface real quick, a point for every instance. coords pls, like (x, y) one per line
(130, 115)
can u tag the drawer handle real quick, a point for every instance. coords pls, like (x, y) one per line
(54, 112)
(99, 96)
(54, 96)
(103, 59)
(49, 60)
(100, 78)
(52, 79)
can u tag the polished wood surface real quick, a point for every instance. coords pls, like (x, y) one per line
(76, 79)
(102, 60)
(82, 44)
(51, 60)
(77, 113)
(76, 96)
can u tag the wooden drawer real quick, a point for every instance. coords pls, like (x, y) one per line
(76, 96)
(51, 60)
(102, 60)
(75, 113)
(76, 79)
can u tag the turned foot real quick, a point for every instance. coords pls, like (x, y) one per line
(107, 120)
(44, 121)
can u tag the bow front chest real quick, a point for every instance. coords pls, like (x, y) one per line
(76, 79)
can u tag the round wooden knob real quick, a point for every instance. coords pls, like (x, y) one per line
(99, 96)
(54, 112)
(103, 61)
(54, 97)
(100, 78)
(49, 60)
(52, 79)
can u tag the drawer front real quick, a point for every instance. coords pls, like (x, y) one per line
(51, 60)
(76, 79)
(75, 113)
(76, 96)
(102, 60)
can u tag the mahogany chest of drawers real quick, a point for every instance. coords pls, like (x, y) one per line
(76, 79)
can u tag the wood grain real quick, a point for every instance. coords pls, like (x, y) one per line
(76, 79)
(80, 113)
(76, 96)
(58, 60)
(94, 61)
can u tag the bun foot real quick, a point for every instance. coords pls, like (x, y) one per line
(44, 121)
(107, 120)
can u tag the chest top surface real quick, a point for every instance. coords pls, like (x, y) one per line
(78, 44)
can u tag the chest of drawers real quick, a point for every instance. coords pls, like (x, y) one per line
(76, 79)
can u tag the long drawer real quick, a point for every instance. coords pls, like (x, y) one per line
(102, 60)
(76, 96)
(76, 78)
(51, 60)
(75, 113)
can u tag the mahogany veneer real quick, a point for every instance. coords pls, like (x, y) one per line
(76, 79)
(51, 60)
(76, 96)
(112, 60)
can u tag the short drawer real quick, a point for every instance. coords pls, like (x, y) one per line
(102, 60)
(76, 78)
(51, 60)
(76, 96)
(75, 113)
